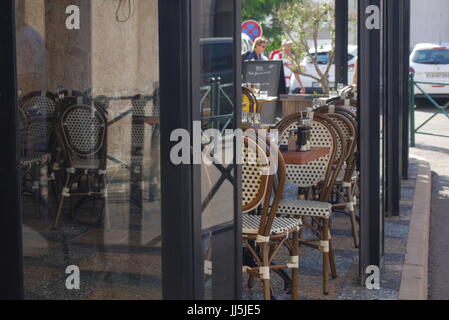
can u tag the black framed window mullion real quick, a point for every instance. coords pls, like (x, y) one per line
(180, 226)
(238, 168)
(369, 95)
(11, 266)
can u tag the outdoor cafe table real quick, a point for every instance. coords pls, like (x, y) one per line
(302, 158)
(265, 100)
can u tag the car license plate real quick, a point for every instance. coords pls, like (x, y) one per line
(437, 75)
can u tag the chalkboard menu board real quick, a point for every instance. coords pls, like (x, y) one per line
(270, 75)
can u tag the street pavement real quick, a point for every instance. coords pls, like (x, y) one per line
(436, 150)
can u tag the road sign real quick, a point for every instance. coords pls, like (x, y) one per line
(252, 28)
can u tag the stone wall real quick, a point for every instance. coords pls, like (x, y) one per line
(114, 53)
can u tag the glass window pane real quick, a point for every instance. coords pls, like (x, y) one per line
(88, 73)
(217, 115)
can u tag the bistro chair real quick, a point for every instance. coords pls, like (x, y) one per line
(346, 178)
(33, 166)
(352, 172)
(145, 114)
(318, 175)
(57, 163)
(37, 141)
(142, 136)
(265, 234)
(347, 100)
(249, 101)
(82, 134)
(40, 108)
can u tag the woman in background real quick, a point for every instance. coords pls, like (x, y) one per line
(258, 51)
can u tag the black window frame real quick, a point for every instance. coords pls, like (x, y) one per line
(182, 267)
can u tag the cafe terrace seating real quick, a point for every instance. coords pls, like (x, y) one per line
(326, 181)
(316, 178)
(265, 234)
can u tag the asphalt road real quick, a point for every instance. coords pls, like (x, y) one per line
(436, 150)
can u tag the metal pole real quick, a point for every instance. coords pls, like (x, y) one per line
(341, 41)
(11, 265)
(405, 43)
(393, 90)
(369, 140)
(412, 111)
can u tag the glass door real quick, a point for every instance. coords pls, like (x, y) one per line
(88, 81)
(217, 122)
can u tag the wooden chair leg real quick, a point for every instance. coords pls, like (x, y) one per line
(64, 194)
(325, 250)
(37, 190)
(107, 218)
(333, 265)
(251, 279)
(265, 278)
(355, 234)
(295, 271)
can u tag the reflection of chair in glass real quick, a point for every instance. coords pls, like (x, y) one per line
(82, 133)
(144, 144)
(57, 161)
(265, 234)
(33, 166)
(37, 110)
(316, 176)
(40, 106)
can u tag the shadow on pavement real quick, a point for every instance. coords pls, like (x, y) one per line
(432, 148)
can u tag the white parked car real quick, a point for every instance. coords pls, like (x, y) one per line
(247, 43)
(313, 85)
(430, 63)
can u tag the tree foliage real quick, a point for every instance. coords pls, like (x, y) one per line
(264, 11)
(302, 22)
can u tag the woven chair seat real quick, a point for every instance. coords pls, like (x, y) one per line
(305, 208)
(32, 158)
(251, 224)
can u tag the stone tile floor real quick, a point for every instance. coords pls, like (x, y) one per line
(348, 285)
(121, 263)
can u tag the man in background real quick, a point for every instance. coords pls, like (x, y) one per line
(286, 55)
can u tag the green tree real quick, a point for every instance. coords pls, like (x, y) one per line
(264, 11)
(302, 24)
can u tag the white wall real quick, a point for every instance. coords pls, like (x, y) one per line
(430, 21)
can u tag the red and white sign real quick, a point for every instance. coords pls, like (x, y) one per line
(252, 28)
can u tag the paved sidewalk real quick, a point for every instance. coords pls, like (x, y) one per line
(436, 151)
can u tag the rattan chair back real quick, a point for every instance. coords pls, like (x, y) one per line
(323, 136)
(273, 168)
(249, 101)
(255, 169)
(82, 129)
(142, 107)
(39, 108)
